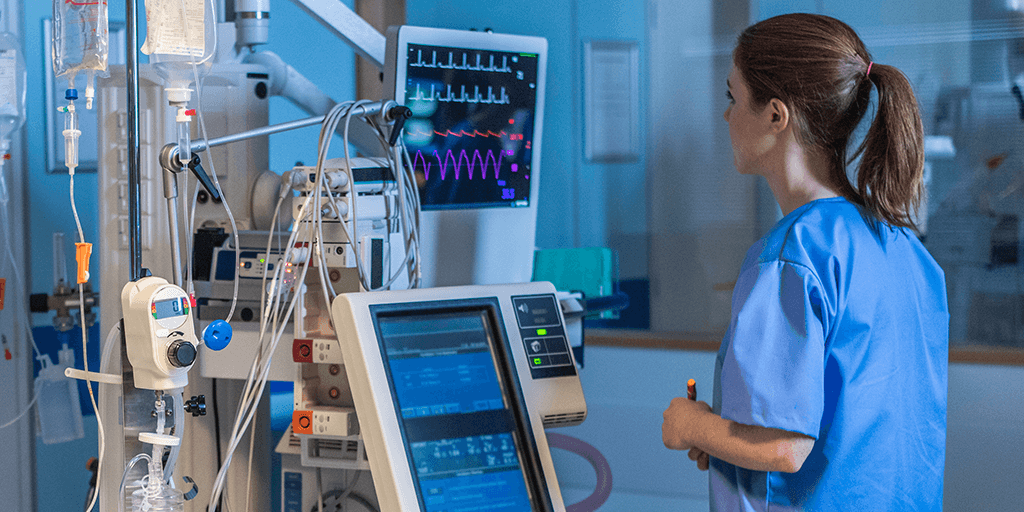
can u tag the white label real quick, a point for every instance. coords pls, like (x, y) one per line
(166, 32)
(8, 81)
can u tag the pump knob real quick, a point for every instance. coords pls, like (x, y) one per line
(181, 353)
(196, 405)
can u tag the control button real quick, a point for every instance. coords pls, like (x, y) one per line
(536, 346)
(302, 422)
(181, 353)
(559, 359)
(534, 312)
(556, 345)
(302, 351)
(536, 361)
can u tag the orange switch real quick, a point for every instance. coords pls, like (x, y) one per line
(302, 422)
(302, 351)
(82, 253)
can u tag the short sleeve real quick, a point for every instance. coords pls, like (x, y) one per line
(772, 371)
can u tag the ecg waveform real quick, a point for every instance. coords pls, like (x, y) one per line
(452, 162)
(461, 133)
(465, 66)
(446, 95)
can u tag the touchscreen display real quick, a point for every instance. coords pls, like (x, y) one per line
(460, 433)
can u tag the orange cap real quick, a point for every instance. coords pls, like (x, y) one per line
(82, 253)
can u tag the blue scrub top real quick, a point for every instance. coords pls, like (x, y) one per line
(840, 331)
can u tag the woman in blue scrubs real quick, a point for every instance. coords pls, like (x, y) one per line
(830, 389)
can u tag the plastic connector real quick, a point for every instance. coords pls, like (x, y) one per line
(183, 119)
(71, 134)
(90, 90)
(82, 253)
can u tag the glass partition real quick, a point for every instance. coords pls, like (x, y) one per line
(965, 59)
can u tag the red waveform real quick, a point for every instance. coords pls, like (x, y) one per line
(464, 133)
(83, 3)
(450, 160)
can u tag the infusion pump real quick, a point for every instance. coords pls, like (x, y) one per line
(159, 333)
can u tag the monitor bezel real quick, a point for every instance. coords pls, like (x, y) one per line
(508, 376)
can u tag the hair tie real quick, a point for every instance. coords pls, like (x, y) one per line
(869, 69)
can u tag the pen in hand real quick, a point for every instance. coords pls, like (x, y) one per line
(696, 454)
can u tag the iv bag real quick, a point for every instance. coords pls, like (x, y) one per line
(81, 41)
(178, 34)
(12, 89)
(60, 412)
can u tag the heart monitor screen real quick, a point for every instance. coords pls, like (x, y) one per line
(471, 134)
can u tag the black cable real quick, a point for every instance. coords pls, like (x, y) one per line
(216, 433)
(93, 466)
(337, 493)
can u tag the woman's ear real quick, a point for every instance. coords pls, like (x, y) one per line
(779, 115)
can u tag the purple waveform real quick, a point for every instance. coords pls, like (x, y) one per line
(463, 159)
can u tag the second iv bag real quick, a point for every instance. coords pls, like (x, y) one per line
(180, 33)
(81, 40)
(12, 89)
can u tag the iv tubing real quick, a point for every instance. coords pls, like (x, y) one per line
(5, 222)
(124, 478)
(172, 206)
(253, 391)
(92, 398)
(178, 401)
(81, 322)
(22, 414)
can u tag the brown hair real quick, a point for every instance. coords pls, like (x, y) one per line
(818, 67)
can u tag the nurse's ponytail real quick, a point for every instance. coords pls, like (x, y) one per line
(889, 179)
(819, 68)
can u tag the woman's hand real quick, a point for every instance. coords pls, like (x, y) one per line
(702, 458)
(681, 426)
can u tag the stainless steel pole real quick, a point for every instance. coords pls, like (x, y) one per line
(134, 159)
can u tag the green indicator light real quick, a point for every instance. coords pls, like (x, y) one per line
(262, 260)
(536, 361)
(541, 332)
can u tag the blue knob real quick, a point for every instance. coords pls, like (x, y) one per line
(217, 335)
(71, 94)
